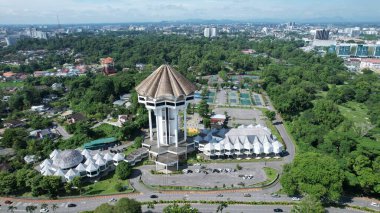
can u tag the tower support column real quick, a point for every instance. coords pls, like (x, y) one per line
(185, 123)
(150, 125)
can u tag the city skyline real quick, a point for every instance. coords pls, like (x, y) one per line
(116, 11)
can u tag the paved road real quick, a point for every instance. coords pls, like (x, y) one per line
(62, 131)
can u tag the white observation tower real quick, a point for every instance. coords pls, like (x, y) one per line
(167, 93)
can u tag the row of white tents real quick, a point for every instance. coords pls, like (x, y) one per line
(95, 163)
(244, 140)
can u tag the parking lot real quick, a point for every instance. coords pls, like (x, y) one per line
(242, 116)
(209, 175)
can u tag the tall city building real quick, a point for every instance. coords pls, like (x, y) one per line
(167, 93)
(322, 34)
(206, 32)
(213, 32)
(210, 32)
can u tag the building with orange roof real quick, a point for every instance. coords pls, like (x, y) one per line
(9, 74)
(108, 65)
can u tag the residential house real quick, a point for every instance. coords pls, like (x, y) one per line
(56, 86)
(124, 118)
(76, 117)
(14, 123)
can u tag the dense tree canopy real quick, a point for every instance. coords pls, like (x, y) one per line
(315, 174)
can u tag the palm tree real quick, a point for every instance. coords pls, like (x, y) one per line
(221, 206)
(30, 209)
(11, 209)
(54, 207)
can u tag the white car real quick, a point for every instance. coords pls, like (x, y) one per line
(44, 210)
(375, 204)
(296, 199)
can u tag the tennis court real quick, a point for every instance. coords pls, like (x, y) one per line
(232, 97)
(210, 97)
(244, 95)
(257, 100)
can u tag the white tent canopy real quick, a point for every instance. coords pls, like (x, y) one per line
(71, 174)
(88, 161)
(80, 168)
(118, 157)
(108, 157)
(92, 167)
(54, 153)
(277, 147)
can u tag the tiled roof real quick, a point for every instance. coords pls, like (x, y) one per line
(165, 83)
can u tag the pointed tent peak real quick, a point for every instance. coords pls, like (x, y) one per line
(92, 167)
(80, 168)
(100, 162)
(54, 153)
(59, 172)
(85, 152)
(71, 173)
(47, 172)
(119, 157)
(88, 161)
(98, 156)
(165, 83)
(108, 157)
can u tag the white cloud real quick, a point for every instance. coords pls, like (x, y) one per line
(92, 11)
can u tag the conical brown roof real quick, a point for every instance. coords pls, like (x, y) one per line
(165, 83)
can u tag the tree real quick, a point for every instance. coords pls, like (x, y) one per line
(105, 208)
(8, 183)
(221, 206)
(207, 122)
(308, 204)
(11, 209)
(271, 115)
(126, 205)
(78, 183)
(315, 174)
(150, 206)
(203, 108)
(175, 208)
(123, 170)
(30, 209)
(138, 141)
(54, 207)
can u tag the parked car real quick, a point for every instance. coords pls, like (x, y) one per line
(8, 202)
(247, 195)
(153, 196)
(296, 199)
(219, 195)
(113, 200)
(375, 204)
(71, 205)
(44, 210)
(275, 195)
(278, 210)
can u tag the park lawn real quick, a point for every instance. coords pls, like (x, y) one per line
(271, 173)
(11, 84)
(107, 130)
(355, 112)
(106, 186)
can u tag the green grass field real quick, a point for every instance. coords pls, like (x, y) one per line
(355, 112)
(11, 84)
(106, 186)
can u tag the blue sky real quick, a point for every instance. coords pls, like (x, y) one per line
(103, 11)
